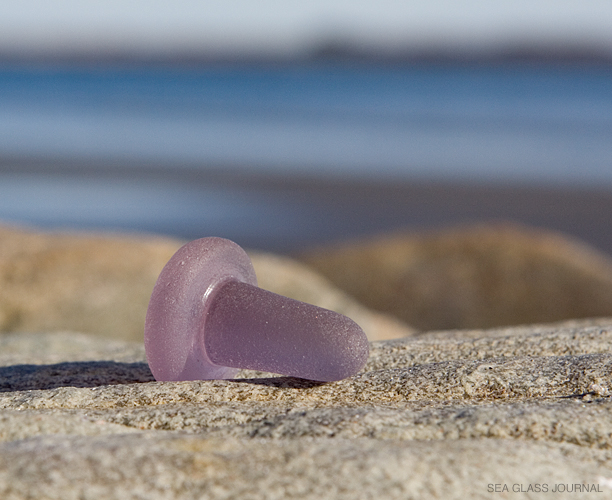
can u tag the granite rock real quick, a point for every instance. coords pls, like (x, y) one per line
(101, 284)
(181, 467)
(452, 414)
(513, 412)
(472, 277)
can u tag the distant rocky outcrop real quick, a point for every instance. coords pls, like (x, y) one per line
(472, 277)
(101, 283)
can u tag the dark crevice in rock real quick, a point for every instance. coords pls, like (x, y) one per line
(282, 382)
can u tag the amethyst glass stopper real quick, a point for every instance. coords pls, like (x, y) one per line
(207, 318)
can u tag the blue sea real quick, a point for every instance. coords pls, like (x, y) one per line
(154, 148)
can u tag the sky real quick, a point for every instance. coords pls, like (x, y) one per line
(290, 27)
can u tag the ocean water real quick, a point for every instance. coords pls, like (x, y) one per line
(500, 124)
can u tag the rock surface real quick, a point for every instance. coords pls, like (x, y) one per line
(516, 412)
(444, 415)
(102, 284)
(472, 277)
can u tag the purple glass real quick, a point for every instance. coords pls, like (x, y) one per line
(207, 318)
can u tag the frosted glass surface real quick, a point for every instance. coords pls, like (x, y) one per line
(207, 318)
(248, 327)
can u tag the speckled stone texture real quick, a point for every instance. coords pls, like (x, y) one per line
(451, 414)
(517, 412)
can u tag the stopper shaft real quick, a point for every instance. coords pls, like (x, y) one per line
(247, 327)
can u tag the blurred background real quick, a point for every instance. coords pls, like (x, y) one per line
(285, 125)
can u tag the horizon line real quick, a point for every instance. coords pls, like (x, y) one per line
(331, 53)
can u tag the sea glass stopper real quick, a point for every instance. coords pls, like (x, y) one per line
(207, 318)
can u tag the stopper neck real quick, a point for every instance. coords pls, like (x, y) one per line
(248, 327)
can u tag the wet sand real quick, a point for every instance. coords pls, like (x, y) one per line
(305, 212)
